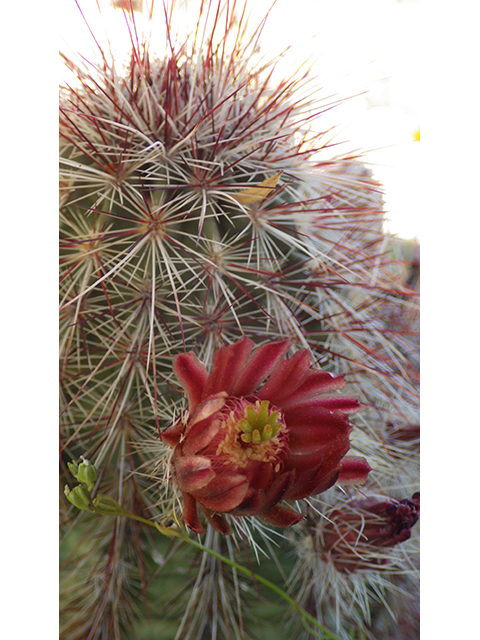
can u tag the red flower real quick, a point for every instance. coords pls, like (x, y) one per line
(355, 535)
(242, 448)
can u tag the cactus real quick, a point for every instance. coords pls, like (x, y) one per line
(198, 206)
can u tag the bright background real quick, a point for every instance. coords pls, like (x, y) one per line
(369, 49)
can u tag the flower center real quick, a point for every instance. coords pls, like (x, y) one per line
(253, 431)
(259, 424)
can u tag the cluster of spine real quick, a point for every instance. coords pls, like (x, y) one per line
(197, 205)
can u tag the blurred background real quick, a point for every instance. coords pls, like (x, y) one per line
(365, 51)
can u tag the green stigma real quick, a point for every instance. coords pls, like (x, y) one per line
(259, 424)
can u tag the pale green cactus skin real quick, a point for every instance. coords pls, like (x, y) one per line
(162, 252)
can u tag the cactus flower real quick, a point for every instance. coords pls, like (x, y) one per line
(243, 446)
(354, 537)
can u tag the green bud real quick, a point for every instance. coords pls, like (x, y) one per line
(79, 497)
(73, 468)
(87, 474)
(84, 472)
(107, 506)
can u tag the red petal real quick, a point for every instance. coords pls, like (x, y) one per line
(224, 492)
(312, 465)
(228, 362)
(286, 378)
(305, 460)
(313, 482)
(192, 375)
(200, 436)
(354, 471)
(172, 434)
(281, 517)
(252, 504)
(318, 382)
(319, 448)
(262, 362)
(190, 514)
(203, 425)
(257, 501)
(218, 521)
(193, 472)
(332, 403)
(279, 488)
(258, 474)
(303, 479)
(313, 429)
(207, 408)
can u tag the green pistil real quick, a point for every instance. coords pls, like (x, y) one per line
(251, 416)
(259, 423)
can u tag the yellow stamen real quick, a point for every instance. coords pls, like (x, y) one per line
(259, 424)
(250, 435)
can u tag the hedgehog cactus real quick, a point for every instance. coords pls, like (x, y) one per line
(199, 207)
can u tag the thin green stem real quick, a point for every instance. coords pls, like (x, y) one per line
(107, 506)
(305, 615)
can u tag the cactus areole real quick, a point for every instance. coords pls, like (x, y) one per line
(259, 429)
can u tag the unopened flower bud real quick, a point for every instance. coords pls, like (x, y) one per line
(358, 536)
(84, 472)
(87, 474)
(79, 497)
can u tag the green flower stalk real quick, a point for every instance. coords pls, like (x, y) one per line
(201, 204)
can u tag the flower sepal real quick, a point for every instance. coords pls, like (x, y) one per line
(79, 497)
(107, 506)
